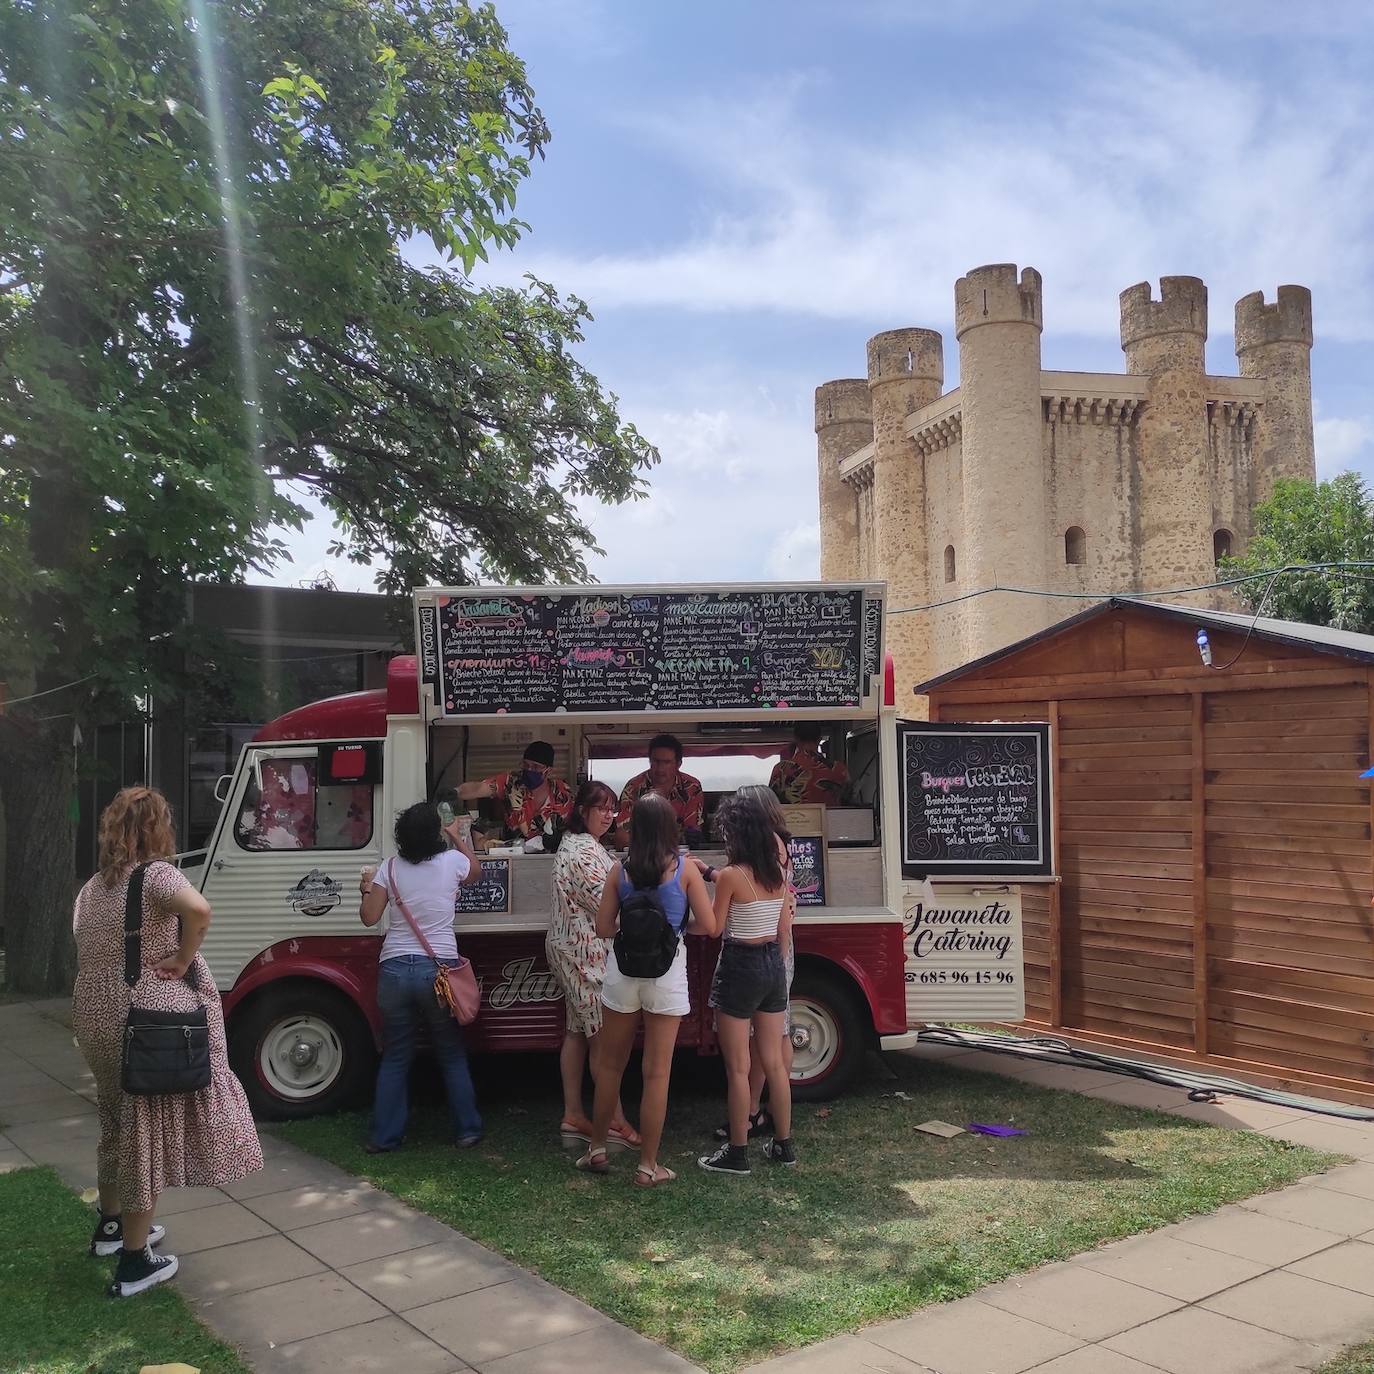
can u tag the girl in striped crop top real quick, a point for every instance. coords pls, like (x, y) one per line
(754, 909)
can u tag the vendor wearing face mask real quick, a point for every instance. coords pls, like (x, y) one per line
(534, 802)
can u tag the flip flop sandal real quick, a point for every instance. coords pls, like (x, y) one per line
(594, 1162)
(653, 1178)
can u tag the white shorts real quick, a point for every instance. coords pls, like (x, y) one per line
(663, 996)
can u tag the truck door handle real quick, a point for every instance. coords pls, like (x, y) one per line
(217, 865)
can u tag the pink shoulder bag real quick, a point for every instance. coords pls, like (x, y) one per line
(456, 988)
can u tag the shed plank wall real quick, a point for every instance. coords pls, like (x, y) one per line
(1214, 848)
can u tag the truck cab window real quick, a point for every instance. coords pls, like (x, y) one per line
(292, 811)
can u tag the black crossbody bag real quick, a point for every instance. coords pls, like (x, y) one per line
(164, 1051)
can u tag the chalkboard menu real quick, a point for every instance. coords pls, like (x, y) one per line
(629, 651)
(807, 853)
(491, 892)
(975, 799)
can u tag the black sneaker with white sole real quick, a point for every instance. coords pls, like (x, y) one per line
(781, 1151)
(141, 1269)
(729, 1159)
(109, 1236)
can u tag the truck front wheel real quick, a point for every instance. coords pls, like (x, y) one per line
(301, 1050)
(830, 1032)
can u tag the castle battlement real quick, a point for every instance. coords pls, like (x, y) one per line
(1287, 320)
(997, 295)
(1068, 481)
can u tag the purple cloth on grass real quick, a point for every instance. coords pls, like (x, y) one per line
(978, 1128)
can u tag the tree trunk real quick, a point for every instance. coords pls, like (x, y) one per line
(38, 776)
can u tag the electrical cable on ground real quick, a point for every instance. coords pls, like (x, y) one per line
(1046, 1049)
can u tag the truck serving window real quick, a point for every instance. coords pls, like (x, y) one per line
(300, 806)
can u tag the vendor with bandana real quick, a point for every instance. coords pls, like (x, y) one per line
(533, 802)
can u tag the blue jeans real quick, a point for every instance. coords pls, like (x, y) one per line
(405, 997)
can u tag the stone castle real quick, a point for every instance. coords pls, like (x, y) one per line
(1063, 481)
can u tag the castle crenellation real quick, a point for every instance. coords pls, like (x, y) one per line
(1063, 481)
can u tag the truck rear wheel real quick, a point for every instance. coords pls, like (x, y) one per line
(301, 1050)
(830, 1033)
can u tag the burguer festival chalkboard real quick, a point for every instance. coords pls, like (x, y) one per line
(975, 799)
(666, 650)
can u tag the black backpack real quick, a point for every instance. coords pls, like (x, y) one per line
(646, 943)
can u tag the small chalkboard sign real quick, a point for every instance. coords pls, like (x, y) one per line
(490, 893)
(975, 799)
(807, 853)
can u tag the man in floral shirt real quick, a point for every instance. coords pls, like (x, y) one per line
(532, 801)
(805, 776)
(664, 775)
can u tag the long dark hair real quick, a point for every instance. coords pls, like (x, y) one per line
(419, 833)
(751, 839)
(590, 794)
(653, 840)
(768, 799)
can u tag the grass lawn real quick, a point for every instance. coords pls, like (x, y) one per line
(877, 1221)
(55, 1317)
(1358, 1359)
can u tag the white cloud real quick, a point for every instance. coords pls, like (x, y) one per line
(1154, 162)
(1342, 442)
(796, 554)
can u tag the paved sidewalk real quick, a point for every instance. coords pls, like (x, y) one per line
(306, 1268)
(1277, 1284)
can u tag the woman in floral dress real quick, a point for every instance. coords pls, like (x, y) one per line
(577, 957)
(177, 1140)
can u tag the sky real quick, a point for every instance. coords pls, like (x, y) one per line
(745, 190)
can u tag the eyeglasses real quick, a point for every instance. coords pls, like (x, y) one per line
(602, 806)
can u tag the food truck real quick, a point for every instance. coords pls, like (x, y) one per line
(596, 673)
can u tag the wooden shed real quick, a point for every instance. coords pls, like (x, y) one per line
(1213, 837)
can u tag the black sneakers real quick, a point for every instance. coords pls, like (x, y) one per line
(109, 1236)
(140, 1269)
(728, 1159)
(781, 1151)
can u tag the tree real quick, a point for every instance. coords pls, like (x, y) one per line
(207, 309)
(1312, 522)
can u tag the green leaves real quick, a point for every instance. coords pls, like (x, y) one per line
(1312, 522)
(168, 388)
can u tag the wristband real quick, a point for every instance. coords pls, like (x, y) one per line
(710, 874)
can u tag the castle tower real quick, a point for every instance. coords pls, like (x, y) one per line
(844, 424)
(998, 319)
(1274, 342)
(906, 371)
(1166, 340)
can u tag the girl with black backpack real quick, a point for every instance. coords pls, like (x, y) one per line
(648, 903)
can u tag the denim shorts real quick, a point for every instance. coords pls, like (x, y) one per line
(749, 978)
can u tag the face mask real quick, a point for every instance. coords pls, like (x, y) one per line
(532, 778)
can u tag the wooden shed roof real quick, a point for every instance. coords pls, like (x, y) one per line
(1320, 638)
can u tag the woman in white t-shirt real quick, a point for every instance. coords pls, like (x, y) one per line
(426, 875)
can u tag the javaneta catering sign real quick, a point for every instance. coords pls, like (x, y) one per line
(975, 799)
(964, 958)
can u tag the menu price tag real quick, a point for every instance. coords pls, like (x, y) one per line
(490, 893)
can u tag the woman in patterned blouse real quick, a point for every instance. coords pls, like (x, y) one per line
(577, 957)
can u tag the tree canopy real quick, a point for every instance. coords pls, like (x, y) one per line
(207, 311)
(1312, 522)
(215, 220)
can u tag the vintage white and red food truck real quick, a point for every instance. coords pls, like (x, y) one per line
(728, 670)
